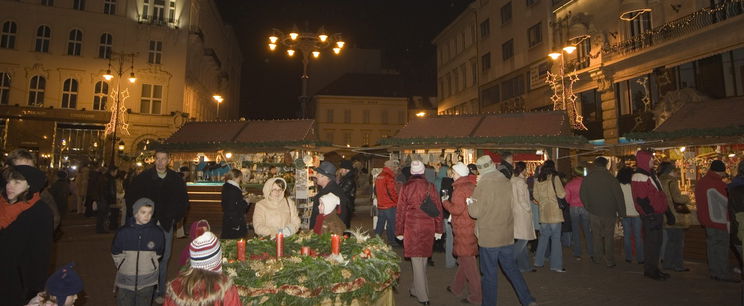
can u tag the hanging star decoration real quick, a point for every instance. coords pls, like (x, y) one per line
(119, 116)
(569, 103)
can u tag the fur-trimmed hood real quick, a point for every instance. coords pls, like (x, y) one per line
(176, 294)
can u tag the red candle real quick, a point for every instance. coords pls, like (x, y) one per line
(241, 250)
(335, 244)
(305, 250)
(279, 245)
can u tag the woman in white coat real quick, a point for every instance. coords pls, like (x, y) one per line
(524, 231)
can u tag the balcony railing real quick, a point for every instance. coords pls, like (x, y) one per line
(156, 20)
(675, 29)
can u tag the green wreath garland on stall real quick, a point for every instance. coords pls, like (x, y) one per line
(364, 269)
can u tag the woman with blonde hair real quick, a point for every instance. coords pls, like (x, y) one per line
(275, 213)
(234, 206)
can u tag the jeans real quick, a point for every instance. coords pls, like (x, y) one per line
(386, 219)
(552, 232)
(141, 297)
(163, 277)
(449, 260)
(490, 259)
(632, 229)
(718, 246)
(535, 215)
(520, 254)
(579, 223)
(675, 245)
(652, 232)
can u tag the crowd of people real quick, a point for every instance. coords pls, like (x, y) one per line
(496, 210)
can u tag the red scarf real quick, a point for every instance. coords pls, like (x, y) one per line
(9, 212)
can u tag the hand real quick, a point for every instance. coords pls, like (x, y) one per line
(437, 236)
(470, 201)
(399, 237)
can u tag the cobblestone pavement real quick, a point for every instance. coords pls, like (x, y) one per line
(584, 283)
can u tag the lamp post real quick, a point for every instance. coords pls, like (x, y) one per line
(116, 111)
(308, 44)
(563, 97)
(218, 99)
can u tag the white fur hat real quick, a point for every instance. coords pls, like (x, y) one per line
(461, 169)
(329, 201)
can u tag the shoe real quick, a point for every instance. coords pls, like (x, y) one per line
(449, 289)
(655, 277)
(424, 303)
(725, 279)
(558, 270)
(159, 300)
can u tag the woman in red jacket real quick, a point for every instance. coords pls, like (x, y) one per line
(466, 244)
(416, 228)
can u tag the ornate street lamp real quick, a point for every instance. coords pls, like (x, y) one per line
(118, 109)
(563, 97)
(308, 44)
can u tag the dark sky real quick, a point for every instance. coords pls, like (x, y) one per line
(402, 29)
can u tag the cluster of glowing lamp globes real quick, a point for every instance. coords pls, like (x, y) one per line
(273, 39)
(567, 49)
(108, 76)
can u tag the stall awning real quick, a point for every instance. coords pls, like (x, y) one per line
(514, 130)
(243, 135)
(700, 123)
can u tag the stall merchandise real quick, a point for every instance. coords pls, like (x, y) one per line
(363, 270)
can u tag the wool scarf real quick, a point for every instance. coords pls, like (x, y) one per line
(10, 212)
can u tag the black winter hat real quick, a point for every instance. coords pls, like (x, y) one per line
(35, 178)
(346, 164)
(718, 166)
(63, 283)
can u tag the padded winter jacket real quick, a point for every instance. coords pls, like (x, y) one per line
(386, 189)
(136, 250)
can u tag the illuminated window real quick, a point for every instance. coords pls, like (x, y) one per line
(75, 42)
(43, 35)
(156, 52)
(36, 91)
(100, 95)
(109, 7)
(8, 36)
(152, 99)
(104, 48)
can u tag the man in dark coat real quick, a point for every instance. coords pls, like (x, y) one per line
(604, 200)
(325, 175)
(166, 188)
(347, 183)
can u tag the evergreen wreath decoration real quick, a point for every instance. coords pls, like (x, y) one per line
(363, 270)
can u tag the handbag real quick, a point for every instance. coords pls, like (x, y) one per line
(429, 207)
(562, 203)
(680, 208)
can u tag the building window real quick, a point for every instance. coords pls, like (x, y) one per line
(8, 36)
(473, 71)
(4, 88)
(172, 11)
(152, 99)
(513, 87)
(78, 4)
(347, 116)
(486, 62)
(534, 34)
(36, 91)
(638, 27)
(43, 35)
(506, 13)
(491, 95)
(156, 52)
(401, 117)
(365, 138)
(485, 28)
(158, 10)
(329, 116)
(456, 75)
(384, 117)
(47, 2)
(365, 116)
(347, 138)
(329, 136)
(69, 93)
(75, 42)
(583, 53)
(100, 95)
(109, 7)
(384, 133)
(104, 49)
(507, 49)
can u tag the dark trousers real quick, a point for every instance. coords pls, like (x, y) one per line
(652, 235)
(102, 216)
(89, 207)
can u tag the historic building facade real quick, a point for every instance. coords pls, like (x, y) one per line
(55, 102)
(634, 61)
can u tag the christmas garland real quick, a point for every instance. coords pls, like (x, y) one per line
(364, 268)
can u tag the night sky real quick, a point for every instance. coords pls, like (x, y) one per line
(401, 29)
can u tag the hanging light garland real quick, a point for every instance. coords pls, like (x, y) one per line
(565, 98)
(119, 116)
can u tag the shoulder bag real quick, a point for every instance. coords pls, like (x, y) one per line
(428, 206)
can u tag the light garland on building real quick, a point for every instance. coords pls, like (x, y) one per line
(565, 98)
(119, 116)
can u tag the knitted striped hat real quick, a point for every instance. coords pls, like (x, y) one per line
(206, 253)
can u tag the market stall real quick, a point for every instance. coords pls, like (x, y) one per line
(531, 136)
(261, 149)
(692, 137)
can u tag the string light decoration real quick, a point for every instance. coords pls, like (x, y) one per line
(564, 98)
(118, 117)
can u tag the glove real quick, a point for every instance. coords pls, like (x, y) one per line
(437, 236)
(670, 218)
(399, 237)
(645, 203)
(470, 201)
